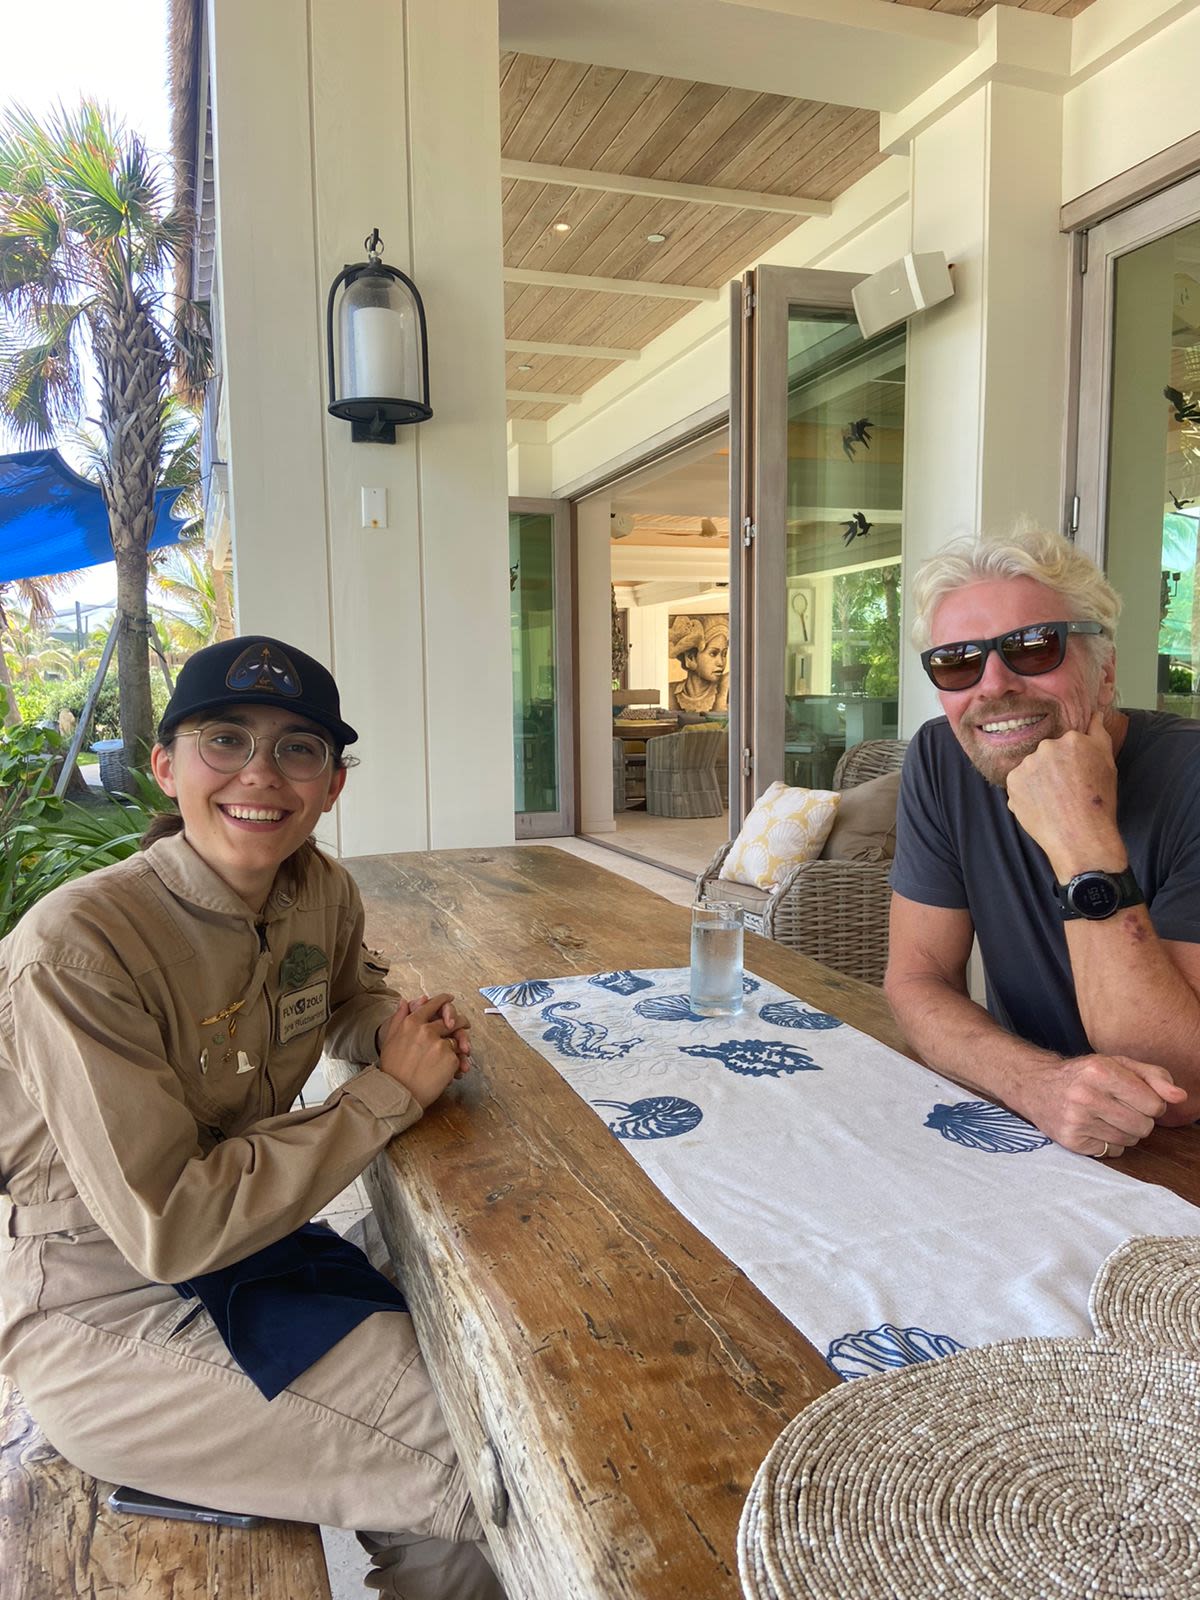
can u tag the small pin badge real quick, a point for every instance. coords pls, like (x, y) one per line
(204, 1061)
(244, 1063)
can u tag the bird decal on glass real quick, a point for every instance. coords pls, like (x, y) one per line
(1177, 502)
(1186, 409)
(856, 433)
(857, 527)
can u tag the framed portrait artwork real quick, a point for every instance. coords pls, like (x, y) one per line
(698, 664)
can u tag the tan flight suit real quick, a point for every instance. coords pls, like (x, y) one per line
(153, 1035)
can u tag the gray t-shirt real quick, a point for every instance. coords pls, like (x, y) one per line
(959, 846)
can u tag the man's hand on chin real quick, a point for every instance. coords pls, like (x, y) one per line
(1064, 795)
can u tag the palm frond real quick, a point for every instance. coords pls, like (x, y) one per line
(41, 382)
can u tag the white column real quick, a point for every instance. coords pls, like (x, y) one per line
(986, 370)
(331, 120)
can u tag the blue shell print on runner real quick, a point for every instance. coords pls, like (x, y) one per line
(882, 1349)
(790, 1014)
(664, 1116)
(584, 1041)
(755, 1058)
(749, 984)
(668, 1008)
(621, 982)
(982, 1126)
(532, 993)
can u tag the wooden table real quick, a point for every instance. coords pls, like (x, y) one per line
(622, 1375)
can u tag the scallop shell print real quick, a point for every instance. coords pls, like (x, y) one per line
(668, 1008)
(755, 1058)
(979, 1125)
(663, 1116)
(621, 982)
(883, 1349)
(532, 993)
(790, 1014)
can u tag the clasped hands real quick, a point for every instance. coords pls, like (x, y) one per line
(1064, 795)
(424, 1045)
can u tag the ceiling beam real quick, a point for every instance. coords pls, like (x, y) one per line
(534, 397)
(848, 52)
(575, 352)
(576, 280)
(698, 194)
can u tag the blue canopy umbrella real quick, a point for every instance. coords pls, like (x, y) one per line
(52, 520)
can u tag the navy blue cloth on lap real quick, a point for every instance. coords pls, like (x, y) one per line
(280, 1309)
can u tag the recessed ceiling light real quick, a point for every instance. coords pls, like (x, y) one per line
(525, 367)
(561, 227)
(656, 238)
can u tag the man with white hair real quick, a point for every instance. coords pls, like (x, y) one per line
(1062, 831)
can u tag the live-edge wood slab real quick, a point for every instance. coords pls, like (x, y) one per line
(612, 1380)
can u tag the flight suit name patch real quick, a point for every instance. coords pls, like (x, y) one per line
(302, 1010)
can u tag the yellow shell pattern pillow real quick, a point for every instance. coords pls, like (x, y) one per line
(786, 827)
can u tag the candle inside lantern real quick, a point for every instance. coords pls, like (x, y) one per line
(375, 368)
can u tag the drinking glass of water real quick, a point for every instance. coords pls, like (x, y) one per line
(716, 959)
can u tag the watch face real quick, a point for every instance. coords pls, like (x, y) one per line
(1095, 895)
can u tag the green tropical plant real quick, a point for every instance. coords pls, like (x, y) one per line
(47, 701)
(34, 597)
(185, 575)
(88, 229)
(45, 842)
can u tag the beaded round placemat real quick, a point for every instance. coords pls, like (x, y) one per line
(1147, 1294)
(1039, 1469)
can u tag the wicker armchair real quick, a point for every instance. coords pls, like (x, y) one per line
(834, 911)
(681, 772)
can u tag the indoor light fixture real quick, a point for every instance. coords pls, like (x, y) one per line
(561, 227)
(379, 357)
(656, 238)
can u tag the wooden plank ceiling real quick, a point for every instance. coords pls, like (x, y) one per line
(574, 115)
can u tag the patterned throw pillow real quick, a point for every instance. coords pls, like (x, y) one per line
(786, 827)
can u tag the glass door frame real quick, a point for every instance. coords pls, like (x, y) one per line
(1154, 218)
(560, 823)
(758, 487)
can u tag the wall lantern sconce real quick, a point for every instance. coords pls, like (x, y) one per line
(380, 376)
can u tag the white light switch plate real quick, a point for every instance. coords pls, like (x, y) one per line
(374, 508)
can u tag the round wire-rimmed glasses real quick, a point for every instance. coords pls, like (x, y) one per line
(228, 747)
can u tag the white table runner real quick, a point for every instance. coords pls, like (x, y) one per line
(891, 1215)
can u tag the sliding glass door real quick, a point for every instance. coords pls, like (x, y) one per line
(817, 497)
(539, 581)
(1139, 438)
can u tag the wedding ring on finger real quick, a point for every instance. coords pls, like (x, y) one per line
(1104, 1152)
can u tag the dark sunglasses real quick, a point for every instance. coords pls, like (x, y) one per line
(1027, 651)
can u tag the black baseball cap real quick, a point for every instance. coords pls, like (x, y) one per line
(257, 671)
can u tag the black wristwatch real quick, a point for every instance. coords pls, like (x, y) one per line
(1096, 895)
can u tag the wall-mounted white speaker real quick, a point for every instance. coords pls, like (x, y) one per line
(620, 524)
(914, 283)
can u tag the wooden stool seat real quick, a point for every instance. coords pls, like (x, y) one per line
(59, 1539)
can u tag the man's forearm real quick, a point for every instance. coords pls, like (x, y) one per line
(1133, 999)
(957, 1037)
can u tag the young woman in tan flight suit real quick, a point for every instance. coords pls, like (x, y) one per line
(157, 1021)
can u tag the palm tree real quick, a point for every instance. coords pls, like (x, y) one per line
(88, 229)
(33, 597)
(184, 574)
